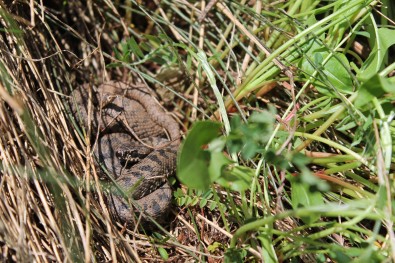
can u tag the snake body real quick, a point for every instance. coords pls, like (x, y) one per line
(137, 143)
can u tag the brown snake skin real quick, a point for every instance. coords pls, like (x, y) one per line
(137, 143)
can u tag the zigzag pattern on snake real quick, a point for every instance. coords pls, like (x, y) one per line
(137, 144)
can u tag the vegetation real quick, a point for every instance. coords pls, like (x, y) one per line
(287, 109)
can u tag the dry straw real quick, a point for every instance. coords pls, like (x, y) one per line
(50, 210)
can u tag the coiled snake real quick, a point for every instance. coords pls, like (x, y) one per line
(137, 143)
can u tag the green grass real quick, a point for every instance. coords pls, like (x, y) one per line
(287, 108)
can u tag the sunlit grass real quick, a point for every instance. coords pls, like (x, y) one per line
(319, 185)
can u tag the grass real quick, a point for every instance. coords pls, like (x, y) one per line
(294, 161)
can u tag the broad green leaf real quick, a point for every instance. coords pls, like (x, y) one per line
(217, 162)
(193, 159)
(212, 206)
(203, 203)
(237, 178)
(385, 38)
(302, 196)
(134, 47)
(305, 188)
(334, 74)
(163, 253)
(363, 33)
(194, 201)
(376, 86)
(337, 73)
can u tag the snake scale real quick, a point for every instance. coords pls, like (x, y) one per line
(137, 143)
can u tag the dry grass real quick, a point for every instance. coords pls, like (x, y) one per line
(50, 210)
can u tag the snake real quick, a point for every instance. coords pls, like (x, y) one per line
(136, 142)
